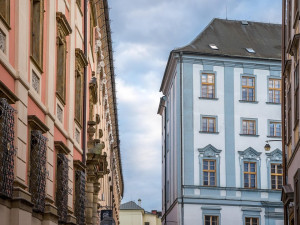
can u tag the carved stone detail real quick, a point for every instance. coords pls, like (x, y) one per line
(275, 155)
(250, 153)
(209, 151)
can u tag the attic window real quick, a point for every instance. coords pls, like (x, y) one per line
(213, 46)
(250, 50)
(244, 22)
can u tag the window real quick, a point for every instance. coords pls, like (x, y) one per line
(211, 220)
(4, 11)
(275, 90)
(208, 124)
(78, 96)
(250, 174)
(275, 129)
(37, 20)
(61, 69)
(147, 223)
(248, 88)
(208, 85)
(276, 176)
(251, 221)
(289, 105)
(249, 127)
(209, 172)
(92, 30)
(296, 92)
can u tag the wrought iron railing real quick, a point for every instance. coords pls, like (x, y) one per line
(38, 170)
(7, 149)
(80, 197)
(62, 187)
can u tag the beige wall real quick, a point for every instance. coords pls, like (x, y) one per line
(138, 217)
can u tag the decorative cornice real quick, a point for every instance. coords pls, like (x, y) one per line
(209, 151)
(61, 147)
(63, 24)
(250, 153)
(78, 165)
(6, 93)
(80, 57)
(275, 155)
(36, 124)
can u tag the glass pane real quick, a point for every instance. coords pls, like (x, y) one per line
(254, 221)
(277, 96)
(210, 79)
(251, 94)
(244, 81)
(214, 220)
(205, 164)
(251, 82)
(271, 93)
(246, 167)
(244, 94)
(273, 168)
(246, 180)
(251, 127)
(212, 178)
(279, 169)
(204, 78)
(272, 129)
(252, 167)
(204, 91)
(270, 83)
(204, 124)
(207, 220)
(253, 182)
(212, 165)
(277, 83)
(245, 127)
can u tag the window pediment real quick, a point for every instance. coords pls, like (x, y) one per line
(275, 155)
(81, 60)
(63, 26)
(209, 151)
(249, 153)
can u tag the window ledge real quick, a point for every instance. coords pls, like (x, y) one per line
(274, 137)
(205, 98)
(273, 103)
(205, 132)
(250, 135)
(245, 101)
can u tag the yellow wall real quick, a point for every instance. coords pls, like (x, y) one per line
(137, 217)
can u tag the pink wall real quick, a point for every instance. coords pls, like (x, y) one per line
(7, 79)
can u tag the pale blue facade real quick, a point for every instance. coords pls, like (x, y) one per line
(184, 145)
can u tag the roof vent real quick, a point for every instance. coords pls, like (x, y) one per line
(250, 50)
(244, 22)
(213, 46)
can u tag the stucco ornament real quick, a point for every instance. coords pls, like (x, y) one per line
(275, 155)
(209, 151)
(250, 153)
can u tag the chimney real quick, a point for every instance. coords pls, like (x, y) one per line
(140, 202)
(154, 212)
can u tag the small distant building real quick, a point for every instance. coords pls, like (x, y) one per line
(133, 214)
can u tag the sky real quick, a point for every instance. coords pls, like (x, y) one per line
(143, 34)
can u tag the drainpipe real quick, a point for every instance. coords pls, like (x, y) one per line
(286, 218)
(165, 128)
(84, 86)
(181, 136)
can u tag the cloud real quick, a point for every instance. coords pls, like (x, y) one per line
(144, 33)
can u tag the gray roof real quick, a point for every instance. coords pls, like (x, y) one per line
(232, 37)
(130, 206)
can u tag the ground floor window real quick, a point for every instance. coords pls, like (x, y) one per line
(211, 220)
(251, 221)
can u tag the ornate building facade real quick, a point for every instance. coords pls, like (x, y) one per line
(59, 139)
(221, 104)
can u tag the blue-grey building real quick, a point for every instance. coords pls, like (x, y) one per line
(221, 103)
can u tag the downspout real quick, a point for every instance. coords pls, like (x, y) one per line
(84, 86)
(165, 144)
(283, 104)
(181, 136)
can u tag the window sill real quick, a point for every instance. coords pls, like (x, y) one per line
(204, 98)
(205, 132)
(245, 101)
(273, 103)
(250, 135)
(274, 137)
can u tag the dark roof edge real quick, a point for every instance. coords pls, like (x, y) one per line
(223, 55)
